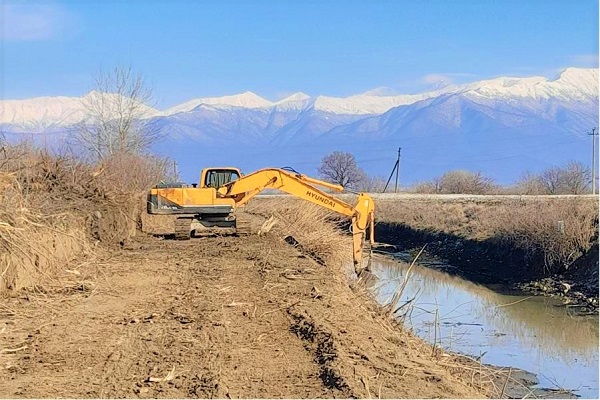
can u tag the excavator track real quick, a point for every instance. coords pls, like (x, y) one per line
(183, 228)
(243, 227)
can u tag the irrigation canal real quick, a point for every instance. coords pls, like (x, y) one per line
(533, 333)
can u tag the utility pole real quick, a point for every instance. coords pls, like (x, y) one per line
(397, 169)
(593, 134)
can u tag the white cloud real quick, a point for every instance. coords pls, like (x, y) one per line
(23, 21)
(381, 91)
(448, 78)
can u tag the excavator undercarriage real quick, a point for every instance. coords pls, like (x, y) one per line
(187, 227)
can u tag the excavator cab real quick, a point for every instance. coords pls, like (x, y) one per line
(217, 177)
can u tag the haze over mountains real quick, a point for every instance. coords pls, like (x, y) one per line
(501, 126)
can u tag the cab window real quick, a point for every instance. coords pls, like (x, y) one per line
(219, 177)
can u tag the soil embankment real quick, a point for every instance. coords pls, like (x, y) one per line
(212, 317)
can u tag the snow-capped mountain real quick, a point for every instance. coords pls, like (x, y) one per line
(244, 100)
(43, 113)
(572, 84)
(488, 125)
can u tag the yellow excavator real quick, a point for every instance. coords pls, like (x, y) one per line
(212, 203)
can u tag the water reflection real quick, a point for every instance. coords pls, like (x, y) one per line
(531, 333)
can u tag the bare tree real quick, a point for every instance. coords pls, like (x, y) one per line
(574, 178)
(116, 115)
(552, 179)
(339, 167)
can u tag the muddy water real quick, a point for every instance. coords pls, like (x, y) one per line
(531, 333)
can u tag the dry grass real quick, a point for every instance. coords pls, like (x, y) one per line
(561, 229)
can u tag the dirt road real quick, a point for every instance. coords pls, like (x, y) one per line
(212, 317)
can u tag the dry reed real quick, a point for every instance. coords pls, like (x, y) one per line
(54, 207)
(317, 230)
(33, 244)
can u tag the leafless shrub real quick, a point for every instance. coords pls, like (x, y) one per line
(576, 178)
(462, 181)
(551, 179)
(458, 181)
(530, 184)
(573, 178)
(372, 184)
(427, 187)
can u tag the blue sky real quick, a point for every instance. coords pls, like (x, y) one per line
(189, 49)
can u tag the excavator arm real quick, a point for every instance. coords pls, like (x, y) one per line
(362, 214)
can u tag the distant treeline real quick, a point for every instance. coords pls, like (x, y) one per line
(572, 178)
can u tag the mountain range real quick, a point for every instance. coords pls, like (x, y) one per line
(501, 127)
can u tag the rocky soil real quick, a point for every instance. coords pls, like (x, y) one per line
(578, 287)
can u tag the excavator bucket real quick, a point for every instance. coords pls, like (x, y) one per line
(362, 221)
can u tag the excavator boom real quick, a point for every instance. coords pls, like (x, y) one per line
(362, 214)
